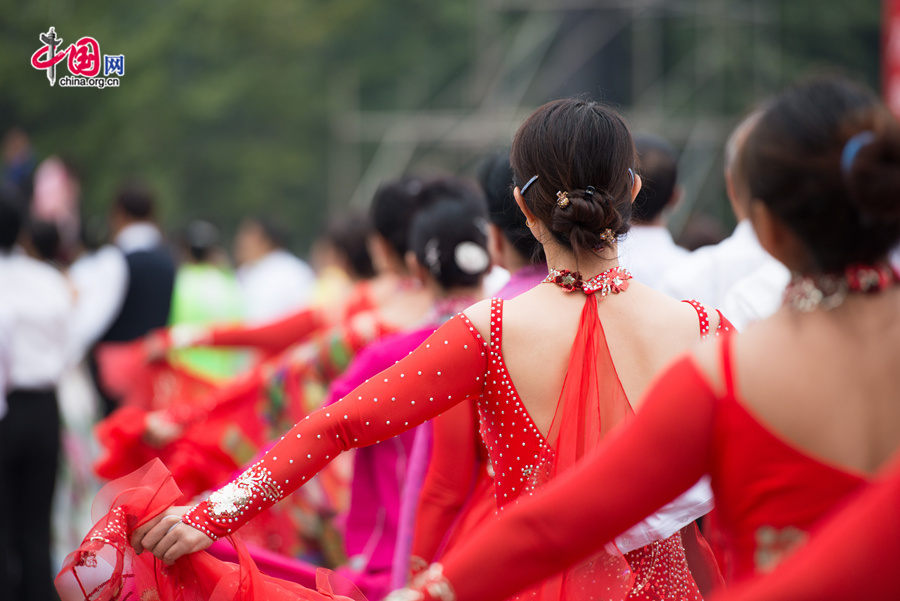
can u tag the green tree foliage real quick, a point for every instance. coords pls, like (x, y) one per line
(224, 106)
(229, 108)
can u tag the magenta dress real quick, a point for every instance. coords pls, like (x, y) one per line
(379, 472)
(521, 281)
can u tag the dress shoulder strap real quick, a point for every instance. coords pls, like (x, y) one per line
(727, 365)
(702, 315)
(496, 339)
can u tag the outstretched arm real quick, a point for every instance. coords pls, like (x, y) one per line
(628, 477)
(446, 369)
(271, 337)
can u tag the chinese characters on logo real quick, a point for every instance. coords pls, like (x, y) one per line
(83, 60)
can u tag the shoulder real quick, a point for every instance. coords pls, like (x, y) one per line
(480, 316)
(44, 274)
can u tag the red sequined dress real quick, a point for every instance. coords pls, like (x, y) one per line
(769, 494)
(456, 365)
(853, 556)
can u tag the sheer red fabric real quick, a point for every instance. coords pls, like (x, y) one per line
(683, 431)
(126, 374)
(853, 556)
(591, 404)
(198, 460)
(106, 568)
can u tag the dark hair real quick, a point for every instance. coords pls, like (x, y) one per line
(658, 167)
(45, 240)
(570, 145)
(393, 208)
(495, 177)
(793, 162)
(347, 233)
(449, 239)
(200, 238)
(135, 200)
(274, 232)
(12, 216)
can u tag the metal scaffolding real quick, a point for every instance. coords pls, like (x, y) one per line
(529, 51)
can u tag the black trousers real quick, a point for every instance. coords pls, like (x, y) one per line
(29, 456)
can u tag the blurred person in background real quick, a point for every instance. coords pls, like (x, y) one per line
(56, 199)
(449, 487)
(709, 272)
(341, 258)
(510, 242)
(206, 291)
(448, 255)
(37, 302)
(274, 281)
(18, 161)
(700, 230)
(648, 250)
(141, 293)
(41, 241)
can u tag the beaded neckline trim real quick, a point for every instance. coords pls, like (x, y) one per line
(806, 293)
(611, 281)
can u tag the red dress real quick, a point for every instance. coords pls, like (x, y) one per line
(452, 366)
(854, 555)
(768, 493)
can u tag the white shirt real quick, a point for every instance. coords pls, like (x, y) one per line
(757, 295)
(100, 280)
(649, 253)
(141, 235)
(495, 279)
(275, 285)
(709, 272)
(38, 301)
(693, 504)
(101, 283)
(5, 339)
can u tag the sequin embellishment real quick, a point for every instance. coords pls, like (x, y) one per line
(230, 500)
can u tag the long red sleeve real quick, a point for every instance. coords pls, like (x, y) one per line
(448, 483)
(272, 337)
(446, 369)
(637, 470)
(854, 556)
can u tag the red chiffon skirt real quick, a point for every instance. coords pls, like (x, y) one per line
(106, 568)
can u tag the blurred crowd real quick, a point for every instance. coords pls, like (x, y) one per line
(153, 342)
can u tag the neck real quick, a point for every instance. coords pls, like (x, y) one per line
(589, 264)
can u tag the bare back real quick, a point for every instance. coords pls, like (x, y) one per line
(828, 383)
(644, 330)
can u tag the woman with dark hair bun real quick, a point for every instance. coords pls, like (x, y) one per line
(551, 373)
(790, 418)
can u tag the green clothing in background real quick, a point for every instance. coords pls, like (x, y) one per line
(205, 294)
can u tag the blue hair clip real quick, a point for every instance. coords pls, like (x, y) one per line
(528, 184)
(852, 148)
(631, 173)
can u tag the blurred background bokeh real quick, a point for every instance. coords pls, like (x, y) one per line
(297, 109)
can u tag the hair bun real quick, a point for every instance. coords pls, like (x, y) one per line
(586, 218)
(873, 177)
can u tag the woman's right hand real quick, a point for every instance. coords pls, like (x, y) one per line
(159, 430)
(167, 537)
